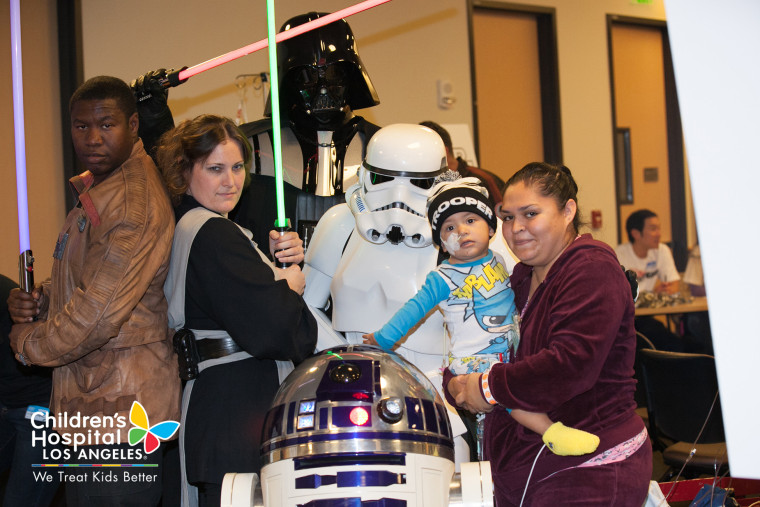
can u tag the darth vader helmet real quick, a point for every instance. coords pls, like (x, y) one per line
(321, 74)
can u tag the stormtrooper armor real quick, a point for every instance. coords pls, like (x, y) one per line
(370, 255)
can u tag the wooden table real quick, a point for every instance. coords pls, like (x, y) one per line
(697, 305)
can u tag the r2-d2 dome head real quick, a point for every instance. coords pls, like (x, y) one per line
(389, 202)
(354, 425)
(321, 74)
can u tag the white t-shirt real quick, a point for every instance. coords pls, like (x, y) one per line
(657, 265)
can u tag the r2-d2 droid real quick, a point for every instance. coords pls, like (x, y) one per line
(355, 426)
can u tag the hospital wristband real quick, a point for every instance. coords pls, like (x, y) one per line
(486, 389)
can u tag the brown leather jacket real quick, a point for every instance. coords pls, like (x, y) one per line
(105, 326)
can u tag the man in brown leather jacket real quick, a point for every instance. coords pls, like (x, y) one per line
(101, 318)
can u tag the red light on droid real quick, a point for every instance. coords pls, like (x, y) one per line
(359, 416)
(360, 396)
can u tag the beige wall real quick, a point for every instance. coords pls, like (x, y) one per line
(508, 90)
(43, 138)
(407, 45)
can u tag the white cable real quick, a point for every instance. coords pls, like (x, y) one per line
(693, 450)
(530, 474)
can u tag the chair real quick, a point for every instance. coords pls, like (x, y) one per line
(680, 390)
(642, 342)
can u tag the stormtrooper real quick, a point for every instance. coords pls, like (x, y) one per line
(322, 82)
(371, 254)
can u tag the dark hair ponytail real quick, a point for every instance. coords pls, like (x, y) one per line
(555, 181)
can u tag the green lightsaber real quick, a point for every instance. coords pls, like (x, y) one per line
(282, 222)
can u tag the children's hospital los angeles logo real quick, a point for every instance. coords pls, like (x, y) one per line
(75, 442)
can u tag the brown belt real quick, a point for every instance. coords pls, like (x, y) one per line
(209, 348)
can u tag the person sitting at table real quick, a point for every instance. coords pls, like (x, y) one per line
(653, 263)
(646, 255)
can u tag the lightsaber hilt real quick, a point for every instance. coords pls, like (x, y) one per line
(172, 78)
(26, 271)
(282, 230)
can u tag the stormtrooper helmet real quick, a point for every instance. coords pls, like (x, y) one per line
(389, 202)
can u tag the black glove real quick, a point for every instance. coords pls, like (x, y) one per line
(150, 92)
(632, 281)
(152, 107)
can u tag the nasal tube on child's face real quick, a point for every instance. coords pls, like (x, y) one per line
(451, 243)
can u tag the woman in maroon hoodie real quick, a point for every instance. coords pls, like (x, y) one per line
(575, 360)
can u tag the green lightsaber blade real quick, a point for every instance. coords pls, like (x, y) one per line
(274, 90)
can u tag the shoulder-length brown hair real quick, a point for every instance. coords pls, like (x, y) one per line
(193, 141)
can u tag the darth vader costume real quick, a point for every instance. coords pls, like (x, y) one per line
(322, 82)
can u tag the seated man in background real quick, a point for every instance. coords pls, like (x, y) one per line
(493, 183)
(655, 269)
(651, 260)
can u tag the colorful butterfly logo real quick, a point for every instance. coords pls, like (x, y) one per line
(151, 435)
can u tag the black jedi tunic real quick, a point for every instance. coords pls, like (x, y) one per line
(229, 287)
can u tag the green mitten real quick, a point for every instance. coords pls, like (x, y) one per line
(565, 441)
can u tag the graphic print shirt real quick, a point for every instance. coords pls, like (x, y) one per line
(478, 306)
